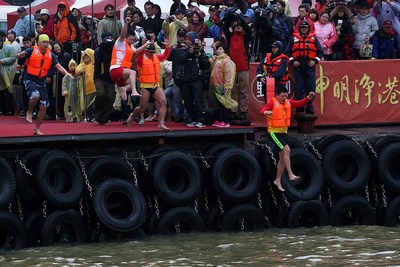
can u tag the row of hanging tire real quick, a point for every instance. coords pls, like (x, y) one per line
(52, 196)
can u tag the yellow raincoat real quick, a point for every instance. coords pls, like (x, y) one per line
(7, 67)
(223, 77)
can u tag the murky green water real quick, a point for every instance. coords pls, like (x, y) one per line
(325, 246)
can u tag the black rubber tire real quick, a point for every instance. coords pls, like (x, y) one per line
(33, 223)
(64, 226)
(213, 152)
(189, 221)
(119, 205)
(389, 166)
(213, 219)
(346, 167)
(108, 167)
(60, 179)
(253, 216)
(177, 178)
(12, 232)
(236, 175)
(392, 214)
(7, 183)
(325, 141)
(27, 187)
(311, 182)
(309, 213)
(293, 143)
(362, 212)
(382, 142)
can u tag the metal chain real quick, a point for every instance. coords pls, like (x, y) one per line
(10, 207)
(81, 206)
(383, 195)
(206, 200)
(23, 166)
(44, 209)
(260, 205)
(19, 204)
(156, 207)
(356, 141)
(314, 149)
(221, 207)
(203, 159)
(367, 192)
(350, 213)
(58, 228)
(272, 194)
(267, 147)
(196, 206)
(242, 224)
(329, 197)
(143, 160)
(369, 145)
(177, 227)
(375, 192)
(84, 174)
(149, 202)
(135, 179)
(285, 200)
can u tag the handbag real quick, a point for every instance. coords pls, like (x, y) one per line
(366, 48)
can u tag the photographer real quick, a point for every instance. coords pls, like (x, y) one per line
(177, 75)
(196, 66)
(172, 24)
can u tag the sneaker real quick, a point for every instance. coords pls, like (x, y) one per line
(200, 125)
(225, 124)
(96, 121)
(191, 124)
(216, 124)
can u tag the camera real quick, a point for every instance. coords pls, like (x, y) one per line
(196, 47)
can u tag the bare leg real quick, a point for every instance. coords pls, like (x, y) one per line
(31, 106)
(131, 76)
(122, 91)
(40, 119)
(161, 104)
(279, 171)
(142, 106)
(288, 166)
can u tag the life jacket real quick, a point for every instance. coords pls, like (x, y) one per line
(281, 114)
(149, 70)
(128, 54)
(304, 47)
(38, 63)
(272, 65)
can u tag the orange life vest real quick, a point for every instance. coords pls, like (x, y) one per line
(272, 65)
(38, 63)
(304, 47)
(149, 70)
(128, 54)
(281, 114)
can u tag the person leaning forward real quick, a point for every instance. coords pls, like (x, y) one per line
(39, 61)
(278, 111)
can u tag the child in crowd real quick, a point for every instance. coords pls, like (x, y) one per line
(72, 91)
(86, 68)
(221, 82)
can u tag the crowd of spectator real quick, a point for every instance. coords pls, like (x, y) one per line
(345, 30)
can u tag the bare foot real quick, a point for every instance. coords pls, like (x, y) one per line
(130, 120)
(135, 93)
(28, 117)
(37, 132)
(279, 185)
(294, 177)
(122, 91)
(163, 127)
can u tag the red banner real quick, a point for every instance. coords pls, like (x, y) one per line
(348, 92)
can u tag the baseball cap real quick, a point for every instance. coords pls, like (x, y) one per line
(21, 9)
(388, 23)
(193, 4)
(11, 31)
(181, 33)
(179, 11)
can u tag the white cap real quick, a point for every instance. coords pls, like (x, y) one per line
(194, 4)
(44, 11)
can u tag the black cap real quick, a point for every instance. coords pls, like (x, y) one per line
(151, 47)
(21, 9)
(304, 24)
(179, 11)
(181, 33)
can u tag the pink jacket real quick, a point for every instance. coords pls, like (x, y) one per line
(326, 35)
